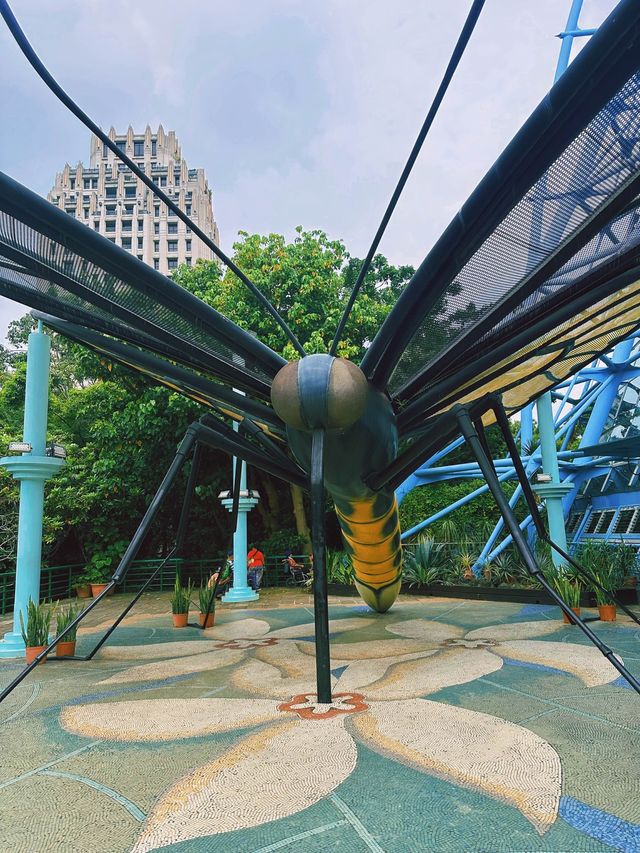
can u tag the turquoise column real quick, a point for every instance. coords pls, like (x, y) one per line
(553, 491)
(31, 470)
(240, 591)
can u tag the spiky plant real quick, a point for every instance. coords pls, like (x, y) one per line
(181, 596)
(38, 623)
(63, 619)
(207, 599)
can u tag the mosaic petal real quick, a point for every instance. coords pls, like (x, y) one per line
(367, 649)
(361, 673)
(244, 629)
(176, 666)
(263, 679)
(424, 675)
(279, 771)
(336, 626)
(289, 660)
(516, 630)
(155, 719)
(585, 662)
(474, 750)
(151, 651)
(430, 632)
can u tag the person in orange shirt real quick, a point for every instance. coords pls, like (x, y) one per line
(255, 567)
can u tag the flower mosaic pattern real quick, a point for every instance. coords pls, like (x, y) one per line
(293, 752)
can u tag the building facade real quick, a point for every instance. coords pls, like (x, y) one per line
(108, 197)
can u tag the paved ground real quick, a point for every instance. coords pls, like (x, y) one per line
(456, 726)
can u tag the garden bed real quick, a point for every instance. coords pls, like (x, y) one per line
(628, 595)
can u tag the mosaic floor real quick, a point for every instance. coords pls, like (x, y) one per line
(456, 726)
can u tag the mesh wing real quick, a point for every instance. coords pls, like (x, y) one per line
(558, 203)
(53, 263)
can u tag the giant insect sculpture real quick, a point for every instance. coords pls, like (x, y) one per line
(536, 275)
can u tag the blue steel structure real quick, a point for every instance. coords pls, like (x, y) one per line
(609, 504)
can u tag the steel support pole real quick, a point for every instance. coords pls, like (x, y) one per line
(320, 594)
(553, 491)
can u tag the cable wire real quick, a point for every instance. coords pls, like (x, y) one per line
(456, 56)
(58, 91)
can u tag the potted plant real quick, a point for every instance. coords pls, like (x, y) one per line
(67, 645)
(180, 601)
(82, 586)
(36, 634)
(603, 562)
(102, 565)
(207, 599)
(568, 588)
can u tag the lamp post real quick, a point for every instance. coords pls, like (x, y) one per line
(240, 591)
(36, 464)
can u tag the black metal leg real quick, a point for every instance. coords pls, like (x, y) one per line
(320, 595)
(187, 503)
(530, 497)
(486, 466)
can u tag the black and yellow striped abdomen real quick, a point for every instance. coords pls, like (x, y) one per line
(371, 530)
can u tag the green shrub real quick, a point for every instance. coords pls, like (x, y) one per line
(339, 568)
(207, 599)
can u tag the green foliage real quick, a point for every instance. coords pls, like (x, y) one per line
(468, 524)
(181, 596)
(103, 562)
(425, 563)
(65, 617)
(206, 598)
(566, 585)
(339, 568)
(38, 623)
(282, 541)
(607, 564)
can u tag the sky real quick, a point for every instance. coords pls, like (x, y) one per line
(301, 112)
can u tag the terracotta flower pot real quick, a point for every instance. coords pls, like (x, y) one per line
(210, 620)
(180, 620)
(607, 612)
(84, 590)
(65, 648)
(566, 619)
(32, 653)
(97, 588)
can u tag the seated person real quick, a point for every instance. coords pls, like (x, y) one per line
(291, 565)
(255, 567)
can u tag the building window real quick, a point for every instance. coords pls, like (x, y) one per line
(138, 149)
(121, 144)
(156, 245)
(112, 239)
(72, 183)
(96, 226)
(172, 228)
(140, 224)
(154, 147)
(70, 210)
(172, 245)
(162, 181)
(110, 192)
(94, 183)
(140, 257)
(86, 184)
(156, 210)
(126, 225)
(85, 212)
(130, 192)
(188, 246)
(172, 263)
(126, 242)
(156, 227)
(110, 225)
(188, 210)
(86, 199)
(128, 209)
(187, 261)
(105, 150)
(140, 242)
(110, 209)
(156, 264)
(172, 213)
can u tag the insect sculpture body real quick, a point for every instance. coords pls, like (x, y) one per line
(323, 392)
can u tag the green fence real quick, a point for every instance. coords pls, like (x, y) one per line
(57, 582)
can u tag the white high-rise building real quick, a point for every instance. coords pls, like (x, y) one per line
(108, 197)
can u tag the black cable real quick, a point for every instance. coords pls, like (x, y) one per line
(58, 91)
(456, 56)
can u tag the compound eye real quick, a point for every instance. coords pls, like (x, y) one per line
(319, 391)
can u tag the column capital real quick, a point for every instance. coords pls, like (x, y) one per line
(29, 467)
